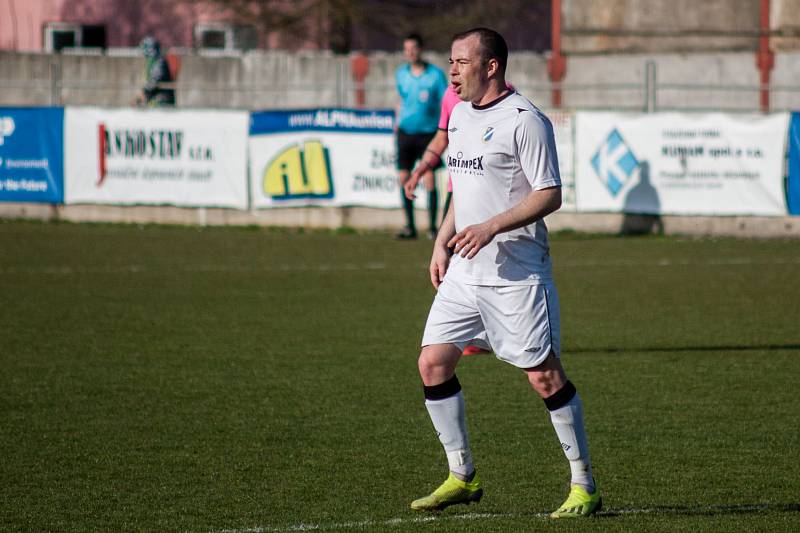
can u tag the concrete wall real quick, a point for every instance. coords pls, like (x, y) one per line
(260, 80)
(667, 26)
(785, 23)
(276, 79)
(659, 25)
(392, 219)
(721, 81)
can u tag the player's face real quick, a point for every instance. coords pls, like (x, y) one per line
(411, 50)
(468, 74)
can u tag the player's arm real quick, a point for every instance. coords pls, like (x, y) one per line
(440, 259)
(427, 162)
(535, 206)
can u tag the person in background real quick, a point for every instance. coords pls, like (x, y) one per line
(154, 94)
(421, 87)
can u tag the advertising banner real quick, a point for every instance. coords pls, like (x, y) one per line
(684, 164)
(340, 157)
(32, 154)
(564, 131)
(793, 180)
(332, 157)
(191, 158)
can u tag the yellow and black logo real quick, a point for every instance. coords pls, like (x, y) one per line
(299, 173)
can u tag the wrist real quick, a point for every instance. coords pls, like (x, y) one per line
(494, 227)
(441, 241)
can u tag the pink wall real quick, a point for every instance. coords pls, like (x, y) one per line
(126, 21)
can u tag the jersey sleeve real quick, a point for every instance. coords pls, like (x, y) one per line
(536, 149)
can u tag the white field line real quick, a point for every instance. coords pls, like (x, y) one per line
(329, 267)
(135, 269)
(364, 524)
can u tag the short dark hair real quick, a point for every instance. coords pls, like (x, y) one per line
(493, 46)
(414, 37)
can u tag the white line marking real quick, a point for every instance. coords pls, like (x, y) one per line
(363, 524)
(357, 267)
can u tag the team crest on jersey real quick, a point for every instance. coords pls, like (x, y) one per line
(487, 135)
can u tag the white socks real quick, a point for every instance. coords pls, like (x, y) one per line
(567, 419)
(449, 420)
(446, 408)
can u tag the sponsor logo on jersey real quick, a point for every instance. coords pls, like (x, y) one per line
(7, 127)
(487, 135)
(470, 163)
(299, 172)
(453, 129)
(614, 162)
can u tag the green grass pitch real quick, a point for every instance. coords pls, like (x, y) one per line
(253, 380)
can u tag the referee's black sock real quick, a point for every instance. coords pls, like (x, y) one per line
(433, 209)
(408, 207)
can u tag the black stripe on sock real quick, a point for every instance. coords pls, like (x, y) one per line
(561, 397)
(444, 390)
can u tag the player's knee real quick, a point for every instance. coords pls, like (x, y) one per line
(545, 383)
(426, 366)
(434, 367)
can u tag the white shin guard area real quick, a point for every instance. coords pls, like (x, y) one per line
(449, 419)
(568, 423)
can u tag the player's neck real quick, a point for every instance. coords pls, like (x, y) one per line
(417, 67)
(496, 88)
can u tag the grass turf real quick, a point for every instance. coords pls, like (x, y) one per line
(201, 380)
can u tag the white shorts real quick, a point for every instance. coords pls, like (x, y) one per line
(520, 323)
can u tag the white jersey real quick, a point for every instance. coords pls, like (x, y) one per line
(498, 154)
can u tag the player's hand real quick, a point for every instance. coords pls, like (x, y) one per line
(439, 263)
(471, 239)
(411, 184)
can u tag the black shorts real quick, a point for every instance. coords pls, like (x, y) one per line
(410, 147)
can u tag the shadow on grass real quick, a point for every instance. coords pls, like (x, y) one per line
(710, 510)
(718, 348)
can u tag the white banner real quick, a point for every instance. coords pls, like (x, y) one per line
(564, 131)
(129, 156)
(316, 168)
(671, 163)
(332, 157)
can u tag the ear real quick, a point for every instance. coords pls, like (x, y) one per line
(492, 67)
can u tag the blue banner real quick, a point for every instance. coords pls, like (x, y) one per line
(342, 120)
(32, 154)
(793, 181)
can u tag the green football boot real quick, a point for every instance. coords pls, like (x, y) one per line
(453, 491)
(579, 503)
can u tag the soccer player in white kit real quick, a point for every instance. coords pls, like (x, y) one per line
(491, 268)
